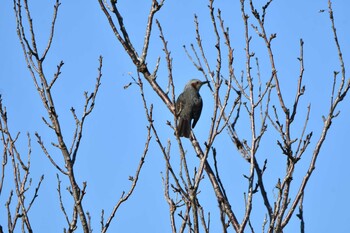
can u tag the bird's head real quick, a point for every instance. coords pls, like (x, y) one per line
(196, 84)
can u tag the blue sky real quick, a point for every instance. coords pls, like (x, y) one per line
(115, 132)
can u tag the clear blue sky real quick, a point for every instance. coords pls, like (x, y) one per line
(115, 132)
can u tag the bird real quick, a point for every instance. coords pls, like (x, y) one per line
(188, 107)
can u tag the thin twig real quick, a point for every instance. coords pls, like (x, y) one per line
(135, 178)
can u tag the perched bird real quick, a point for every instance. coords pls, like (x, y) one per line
(189, 106)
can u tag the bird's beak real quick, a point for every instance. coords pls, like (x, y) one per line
(207, 82)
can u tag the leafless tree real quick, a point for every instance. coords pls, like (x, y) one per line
(69, 150)
(239, 98)
(249, 94)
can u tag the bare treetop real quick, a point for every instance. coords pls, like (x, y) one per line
(237, 142)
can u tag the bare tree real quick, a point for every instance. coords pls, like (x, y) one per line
(34, 59)
(260, 98)
(69, 150)
(255, 100)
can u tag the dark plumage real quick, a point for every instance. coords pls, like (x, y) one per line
(189, 106)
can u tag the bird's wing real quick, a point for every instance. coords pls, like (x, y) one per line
(197, 110)
(180, 103)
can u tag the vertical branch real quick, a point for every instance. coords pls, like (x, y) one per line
(200, 45)
(268, 41)
(21, 180)
(256, 133)
(172, 205)
(88, 107)
(340, 54)
(169, 61)
(202, 218)
(300, 89)
(155, 7)
(63, 209)
(3, 120)
(52, 30)
(300, 215)
(251, 113)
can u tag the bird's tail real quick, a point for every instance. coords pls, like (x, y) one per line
(184, 127)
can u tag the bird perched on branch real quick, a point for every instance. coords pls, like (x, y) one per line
(189, 107)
